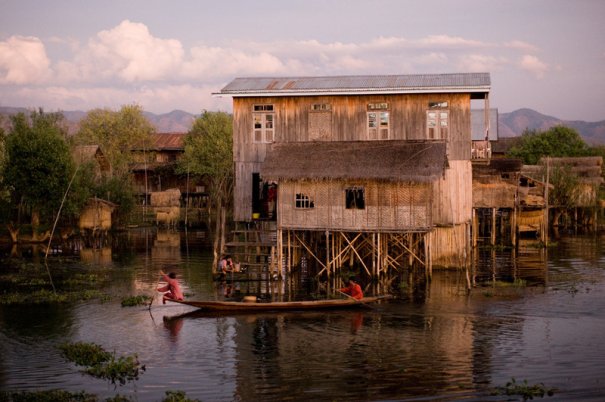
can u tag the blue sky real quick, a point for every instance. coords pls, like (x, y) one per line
(548, 55)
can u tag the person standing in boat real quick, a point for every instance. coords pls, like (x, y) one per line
(353, 290)
(172, 288)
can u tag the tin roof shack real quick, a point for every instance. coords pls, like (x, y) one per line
(576, 182)
(505, 202)
(364, 116)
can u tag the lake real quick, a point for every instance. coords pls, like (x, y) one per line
(532, 315)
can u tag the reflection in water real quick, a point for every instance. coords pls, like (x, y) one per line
(529, 314)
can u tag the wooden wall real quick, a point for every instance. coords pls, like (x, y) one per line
(453, 195)
(347, 121)
(388, 206)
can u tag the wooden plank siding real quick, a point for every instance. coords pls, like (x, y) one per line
(295, 122)
(453, 196)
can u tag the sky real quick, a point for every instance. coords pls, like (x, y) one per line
(547, 55)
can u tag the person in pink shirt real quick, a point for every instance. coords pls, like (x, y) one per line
(172, 288)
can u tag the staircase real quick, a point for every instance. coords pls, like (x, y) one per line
(254, 246)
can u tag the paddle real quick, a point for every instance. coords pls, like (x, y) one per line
(154, 291)
(357, 300)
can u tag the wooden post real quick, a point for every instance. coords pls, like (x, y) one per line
(493, 231)
(328, 253)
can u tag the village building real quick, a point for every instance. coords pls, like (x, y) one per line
(154, 172)
(356, 172)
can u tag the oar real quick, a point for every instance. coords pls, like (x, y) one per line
(352, 298)
(154, 292)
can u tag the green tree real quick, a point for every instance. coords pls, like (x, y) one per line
(559, 141)
(39, 165)
(117, 133)
(209, 154)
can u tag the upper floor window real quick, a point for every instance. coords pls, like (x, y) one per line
(264, 122)
(378, 121)
(321, 107)
(437, 121)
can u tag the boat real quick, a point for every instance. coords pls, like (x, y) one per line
(254, 306)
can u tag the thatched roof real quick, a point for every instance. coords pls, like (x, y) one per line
(498, 166)
(396, 161)
(88, 153)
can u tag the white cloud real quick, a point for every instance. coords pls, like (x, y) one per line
(521, 45)
(480, 63)
(23, 60)
(533, 65)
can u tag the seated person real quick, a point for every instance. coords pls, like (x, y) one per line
(353, 290)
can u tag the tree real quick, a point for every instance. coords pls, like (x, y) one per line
(559, 141)
(39, 165)
(209, 154)
(117, 133)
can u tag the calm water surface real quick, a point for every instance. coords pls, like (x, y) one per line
(437, 342)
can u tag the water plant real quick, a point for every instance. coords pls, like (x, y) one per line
(53, 395)
(524, 390)
(84, 354)
(133, 301)
(103, 364)
(177, 396)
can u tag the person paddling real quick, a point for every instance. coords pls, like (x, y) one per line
(353, 290)
(172, 288)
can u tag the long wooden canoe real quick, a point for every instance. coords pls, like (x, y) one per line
(236, 306)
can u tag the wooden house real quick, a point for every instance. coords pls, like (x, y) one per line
(96, 221)
(154, 171)
(365, 171)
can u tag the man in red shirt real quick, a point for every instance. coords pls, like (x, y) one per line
(172, 288)
(353, 290)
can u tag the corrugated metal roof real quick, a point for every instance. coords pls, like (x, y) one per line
(356, 84)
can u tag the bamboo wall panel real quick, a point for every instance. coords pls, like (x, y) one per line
(450, 246)
(408, 207)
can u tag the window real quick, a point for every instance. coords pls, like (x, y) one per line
(321, 107)
(263, 121)
(437, 124)
(378, 121)
(355, 198)
(303, 201)
(437, 105)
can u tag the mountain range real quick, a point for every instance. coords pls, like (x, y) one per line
(509, 124)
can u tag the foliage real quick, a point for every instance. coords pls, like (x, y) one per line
(209, 153)
(133, 301)
(117, 133)
(177, 396)
(53, 395)
(84, 354)
(102, 364)
(39, 164)
(558, 141)
(565, 189)
(118, 370)
(119, 190)
(524, 390)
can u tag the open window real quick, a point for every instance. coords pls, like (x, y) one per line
(355, 198)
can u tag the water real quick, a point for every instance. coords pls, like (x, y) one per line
(436, 343)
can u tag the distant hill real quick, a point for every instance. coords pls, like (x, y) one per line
(515, 123)
(176, 121)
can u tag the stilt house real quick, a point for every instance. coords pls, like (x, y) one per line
(371, 172)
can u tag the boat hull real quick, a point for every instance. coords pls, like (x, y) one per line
(232, 306)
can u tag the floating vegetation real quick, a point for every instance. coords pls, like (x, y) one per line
(524, 390)
(29, 283)
(133, 301)
(518, 283)
(177, 396)
(102, 364)
(120, 370)
(54, 395)
(84, 354)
